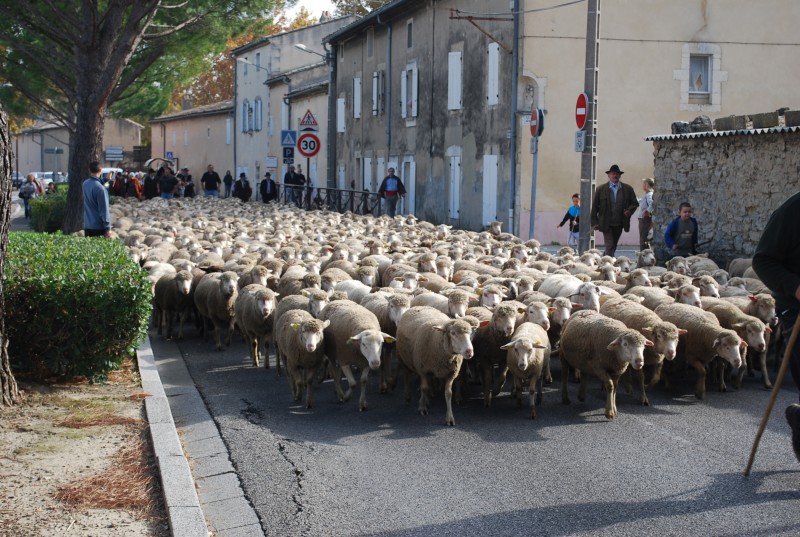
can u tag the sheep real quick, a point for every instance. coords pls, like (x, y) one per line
(389, 309)
(453, 305)
(488, 340)
(355, 289)
(254, 309)
(737, 266)
(353, 337)
(300, 344)
(491, 296)
(596, 344)
(678, 265)
(215, 297)
(257, 274)
(750, 329)
(295, 279)
(704, 340)
(663, 334)
(569, 286)
(171, 297)
(527, 352)
(708, 286)
(645, 258)
(761, 306)
(331, 276)
(655, 296)
(434, 282)
(428, 342)
(699, 263)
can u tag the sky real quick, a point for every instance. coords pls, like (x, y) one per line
(315, 7)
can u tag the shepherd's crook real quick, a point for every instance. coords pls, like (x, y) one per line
(774, 395)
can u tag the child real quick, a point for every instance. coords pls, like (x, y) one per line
(573, 214)
(681, 234)
(646, 214)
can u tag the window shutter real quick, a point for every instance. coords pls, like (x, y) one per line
(414, 90)
(357, 98)
(375, 93)
(228, 131)
(340, 121)
(493, 74)
(403, 93)
(454, 81)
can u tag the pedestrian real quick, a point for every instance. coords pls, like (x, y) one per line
(777, 263)
(268, 188)
(133, 188)
(118, 185)
(646, 214)
(612, 207)
(96, 216)
(292, 182)
(28, 192)
(188, 183)
(573, 215)
(391, 190)
(228, 183)
(303, 181)
(51, 189)
(241, 188)
(150, 184)
(681, 234)
(167, 184)
(210, 182)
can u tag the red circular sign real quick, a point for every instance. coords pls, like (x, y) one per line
(581, 111)
(534, 122)
(308, 144)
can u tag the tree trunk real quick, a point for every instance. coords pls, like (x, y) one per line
(9, 393)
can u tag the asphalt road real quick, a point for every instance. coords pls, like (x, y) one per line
(674, 468)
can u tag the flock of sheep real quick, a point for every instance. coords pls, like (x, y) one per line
(340, 294)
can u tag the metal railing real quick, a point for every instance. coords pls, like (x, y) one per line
(332, 199)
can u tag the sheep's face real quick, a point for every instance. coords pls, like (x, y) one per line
(265, 305)
(445, 271)
(524, 285)
(519, 252)
(504, 324)
(608, 273)
(623, 264)
(589, 295)
(491, 298)
(765, 309)
(368, 277)
(647, 258)
(721, 277)
(754, 333)
(227, 283)
(427, 265)
(689, 294)
(327, 283)
(560, 310)
(310, 335)
(538, 313)
(640, 277)
(410, 281)
(396, 310)
(456, 306)
(728, 346)
(665, 339)
(184, 283)
(629, 347)
(459, 338)
(708, 287)
(370, 343)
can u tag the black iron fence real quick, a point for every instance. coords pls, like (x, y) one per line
(332, 199)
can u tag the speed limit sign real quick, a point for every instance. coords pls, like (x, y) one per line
(308, 144)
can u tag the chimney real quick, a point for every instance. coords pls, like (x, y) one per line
(187, 103)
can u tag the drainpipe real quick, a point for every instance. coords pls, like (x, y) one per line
(388, 86)
(235, 109)
(513, 142)
(330, 59)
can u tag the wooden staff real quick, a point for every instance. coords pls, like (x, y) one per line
(774, 395)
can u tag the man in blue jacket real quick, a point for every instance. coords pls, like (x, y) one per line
(681, 234)
(96, 217)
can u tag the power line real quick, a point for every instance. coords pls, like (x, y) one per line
(630, 40)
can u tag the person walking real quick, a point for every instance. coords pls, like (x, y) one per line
(646, 213)
(681, 234)
(96, 216)
(268, 189)
(150, 185)
(167, 184)
(777, 263)
(241, 188)
(210, 182)
(391, 190)
(292, 181)
(188, 183)
(228, 180)
(573, 215)
(613, 205)
(28, 192)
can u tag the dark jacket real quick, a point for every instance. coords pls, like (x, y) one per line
(242, 190)
(574, 221)
(266, 197)
(603, 202)
(211, 181)
(401, 189)
(672, 229)
(777, 256)
(150, 186)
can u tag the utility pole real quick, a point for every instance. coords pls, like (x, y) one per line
(589, 155)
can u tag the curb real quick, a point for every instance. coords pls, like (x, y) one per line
(183, 507)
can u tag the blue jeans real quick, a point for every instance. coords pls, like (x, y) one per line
(27, 205)
(166, 196)
(788, 318)
(228, 191)
(212, 194)
(391, 204)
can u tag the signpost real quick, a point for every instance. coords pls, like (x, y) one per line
(581, 108)
(308, 144)
(537, 127)
(308, 123)
(288, 155)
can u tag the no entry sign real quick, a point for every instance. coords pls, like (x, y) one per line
(581, 108)
(537, 122)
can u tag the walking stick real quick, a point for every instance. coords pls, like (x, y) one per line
(773, 396)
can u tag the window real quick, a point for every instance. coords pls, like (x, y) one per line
(185, 137)
(174, 138)
(699, 74)
(244, 63)
(370, 42)
(454, 81)
(245, 116)
(701, 77)
(257, 114)
(377, 92)
(493, 74)
(357, 98)
(410, 34)
(258, 61)
(284, 115)
(208, 132)
(340, 115)
(409, 86)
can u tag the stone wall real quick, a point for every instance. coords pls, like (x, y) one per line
(734, 181)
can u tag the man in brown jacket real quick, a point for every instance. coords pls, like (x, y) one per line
(612, 207)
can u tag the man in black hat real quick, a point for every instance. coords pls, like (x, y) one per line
(269, 190)
(241, 188)
(612, 207)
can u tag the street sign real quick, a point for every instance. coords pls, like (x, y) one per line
(114, 153)
(308, 144)
(581, 110)
(271, 162)
(288, 152)
(288, 138)
(308, 123)
(580, 141)
(54, 150)
(170, 155)
(537, 122)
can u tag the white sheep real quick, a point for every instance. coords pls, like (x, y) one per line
(453, 305)
(564, 285)
(300, 340)
(353, 337)
(354, 289)
(215, 297)
(527, 353)
(759, 305)
(604, 347)
(430, 343)
(171, 297)
(655, 296)
(750, 329)
(705, 339)
(389, 309)
(254, 309)
(645, 258)
(663, 334)
(489, 339)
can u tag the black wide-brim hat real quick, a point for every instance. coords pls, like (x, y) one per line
(615, 168)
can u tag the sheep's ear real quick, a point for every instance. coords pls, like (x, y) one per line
(738, 326)
(509, 344)
(276, 295)
(438, 328)
(522, 310)
(576, 306)
(539, 345)
(305, 292)
(295, 326)
(387, 338)
(648, 343)
(648, 330)
(768, 329)
(326, 324)
(682, 331)
(483, 323)
(612, 346)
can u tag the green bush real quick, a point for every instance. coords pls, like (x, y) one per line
(47, 212)
(75, 306)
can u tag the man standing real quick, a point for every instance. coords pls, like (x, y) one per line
(211, 182)
(167, 184)
(612, 207)
(777, 263)
(241, 188)
(188, 183)
(292, 181)
(269, 191)
(96, 217)
(228, 180)
(150, 184)
(390, 190)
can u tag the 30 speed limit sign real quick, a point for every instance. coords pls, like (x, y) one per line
(308, 144)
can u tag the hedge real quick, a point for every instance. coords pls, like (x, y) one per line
(47, 212)
(74, 306)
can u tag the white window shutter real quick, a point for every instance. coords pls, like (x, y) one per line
(454, 80)
(357, 98)
(228, 131)
(375, 80)
(414, 90)
(403, 93)
(284, 116)
(340, 120)
(493, 74)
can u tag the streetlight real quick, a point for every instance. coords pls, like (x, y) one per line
(304, 48)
